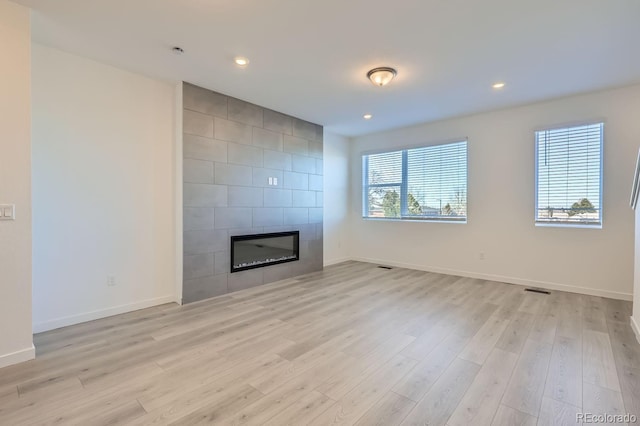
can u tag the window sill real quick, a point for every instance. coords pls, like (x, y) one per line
(569, 225)
(389, 219)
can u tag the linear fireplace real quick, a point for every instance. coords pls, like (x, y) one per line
(258, 250)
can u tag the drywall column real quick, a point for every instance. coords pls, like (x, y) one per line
(16, 343)
(336, 195)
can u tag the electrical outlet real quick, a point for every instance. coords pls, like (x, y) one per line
(481, 255)
(111, 280)
(7, 212)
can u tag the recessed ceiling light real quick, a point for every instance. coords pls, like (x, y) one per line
(177, 50)
(382, 76)
(241, 61)
(367, 116)
(498, 85)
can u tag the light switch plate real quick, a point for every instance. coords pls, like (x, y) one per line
(7, 211)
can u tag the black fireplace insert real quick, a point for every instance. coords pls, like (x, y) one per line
(259, 250)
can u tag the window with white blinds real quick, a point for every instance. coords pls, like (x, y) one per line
(569, 175)
(427, 183)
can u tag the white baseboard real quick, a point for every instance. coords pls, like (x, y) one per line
(18, 357)
(636, 328)
(510, 280)
(336, 261)
(39, 327)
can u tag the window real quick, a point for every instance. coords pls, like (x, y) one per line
(569, 176)
(428, 183)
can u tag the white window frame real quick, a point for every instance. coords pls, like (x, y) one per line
(403, 185)
(560, 224)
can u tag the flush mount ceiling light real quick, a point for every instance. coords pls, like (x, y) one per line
(498, 85)
(367, 116)
(241, 61)
(381, 76)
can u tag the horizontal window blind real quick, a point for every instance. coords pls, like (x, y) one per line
(385, 168)
(569, 175)
(427, 183)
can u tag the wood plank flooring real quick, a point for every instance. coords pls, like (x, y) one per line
(353, 344)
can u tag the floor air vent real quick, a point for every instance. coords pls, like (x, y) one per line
(385, 267)
(537, 290)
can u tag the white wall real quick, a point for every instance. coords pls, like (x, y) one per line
(177, 184)
(16, 344)
(635, 319)
(103, 190)
(501, 180)
(336, 194)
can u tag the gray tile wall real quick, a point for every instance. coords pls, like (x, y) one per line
(231, 148)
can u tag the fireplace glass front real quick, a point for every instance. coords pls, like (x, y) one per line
(258, 250)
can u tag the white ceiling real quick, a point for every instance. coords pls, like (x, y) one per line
(309, 58)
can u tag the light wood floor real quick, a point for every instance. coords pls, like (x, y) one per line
(354, 344)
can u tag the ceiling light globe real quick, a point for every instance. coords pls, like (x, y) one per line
(241, 61)
(381, 76)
